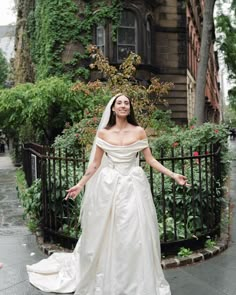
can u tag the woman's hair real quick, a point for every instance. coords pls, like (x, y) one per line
(130, 118)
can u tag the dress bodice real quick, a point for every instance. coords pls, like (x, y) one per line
(121, 158)
(122, 153)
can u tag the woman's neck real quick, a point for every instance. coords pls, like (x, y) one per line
(121, 123)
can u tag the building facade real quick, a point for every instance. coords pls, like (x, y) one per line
(165, 33)
(212, 92)
(167, 36)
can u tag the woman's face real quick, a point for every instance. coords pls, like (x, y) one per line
(122, 106)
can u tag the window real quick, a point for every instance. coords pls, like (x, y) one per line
(100, 38)
(127, 35)
(149, 42)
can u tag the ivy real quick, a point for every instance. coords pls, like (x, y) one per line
(3, 68)
(54, 26)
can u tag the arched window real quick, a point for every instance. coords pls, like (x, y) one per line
(100, 38)
(127, 35)
(149, 41)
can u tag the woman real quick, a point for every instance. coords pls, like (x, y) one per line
(118, 252)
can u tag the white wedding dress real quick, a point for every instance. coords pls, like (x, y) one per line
(118, 252)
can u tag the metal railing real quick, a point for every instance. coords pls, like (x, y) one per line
(186, 215)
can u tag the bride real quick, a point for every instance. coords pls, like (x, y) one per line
(118, 252)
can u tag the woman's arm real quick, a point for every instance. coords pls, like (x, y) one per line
(91, 170)
(180, 179)
(155, 164)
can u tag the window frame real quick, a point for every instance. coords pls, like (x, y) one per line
(135, 27)
(140, 47)
(104, 38)
(149, 38)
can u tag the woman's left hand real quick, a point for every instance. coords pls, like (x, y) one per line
(181, 179)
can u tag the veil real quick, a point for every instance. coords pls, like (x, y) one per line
(102, 124)
(90, 184)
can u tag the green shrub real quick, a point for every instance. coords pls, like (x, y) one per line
(184, 252)
(210, 243)
(30, 198)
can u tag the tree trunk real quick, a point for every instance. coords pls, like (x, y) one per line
(206, 40)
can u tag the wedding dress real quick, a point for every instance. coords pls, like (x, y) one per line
(118, 252)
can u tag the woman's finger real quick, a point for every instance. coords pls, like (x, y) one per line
(67, 196)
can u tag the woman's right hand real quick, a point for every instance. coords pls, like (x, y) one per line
(73, 192)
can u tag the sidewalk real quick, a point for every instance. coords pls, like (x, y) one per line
(215, 276)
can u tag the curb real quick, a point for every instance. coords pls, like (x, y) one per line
(166, 263)
(49, 248)
(198, 256)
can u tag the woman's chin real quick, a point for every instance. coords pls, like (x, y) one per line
(122, 115)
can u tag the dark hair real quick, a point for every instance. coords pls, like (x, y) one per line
(130, 118)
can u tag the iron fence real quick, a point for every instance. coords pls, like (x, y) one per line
(187, 216)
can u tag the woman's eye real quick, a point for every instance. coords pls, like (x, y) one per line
(120, 102)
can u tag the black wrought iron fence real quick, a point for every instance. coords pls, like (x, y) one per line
(186, 215)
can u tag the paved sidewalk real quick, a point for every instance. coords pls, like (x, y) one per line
(216, 276)
(17, 244)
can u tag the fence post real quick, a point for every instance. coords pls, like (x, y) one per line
(44, 198)
(218, 178)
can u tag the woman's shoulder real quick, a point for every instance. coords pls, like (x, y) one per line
(102, 133)
(141, 132)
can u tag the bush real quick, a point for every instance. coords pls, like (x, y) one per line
(30, 198)
(3, 69)
(189, 141)
(39, 112)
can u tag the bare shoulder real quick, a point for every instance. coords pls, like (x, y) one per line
(102, 133)
(140, 132)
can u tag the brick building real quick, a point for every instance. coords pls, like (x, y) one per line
(212, 92)
(166, 34)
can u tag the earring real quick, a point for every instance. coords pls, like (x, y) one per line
(113, 113)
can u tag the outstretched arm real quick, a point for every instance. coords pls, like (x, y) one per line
(180, 179)
(92, 168)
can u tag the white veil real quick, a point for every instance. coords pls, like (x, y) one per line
(103, 122)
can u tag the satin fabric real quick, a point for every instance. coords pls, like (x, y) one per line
(118, 252)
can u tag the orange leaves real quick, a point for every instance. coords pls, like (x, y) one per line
(87, 88)
(159, 88)
(119, 79)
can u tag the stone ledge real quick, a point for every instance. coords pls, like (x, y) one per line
(198, 256)
(49, 248)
